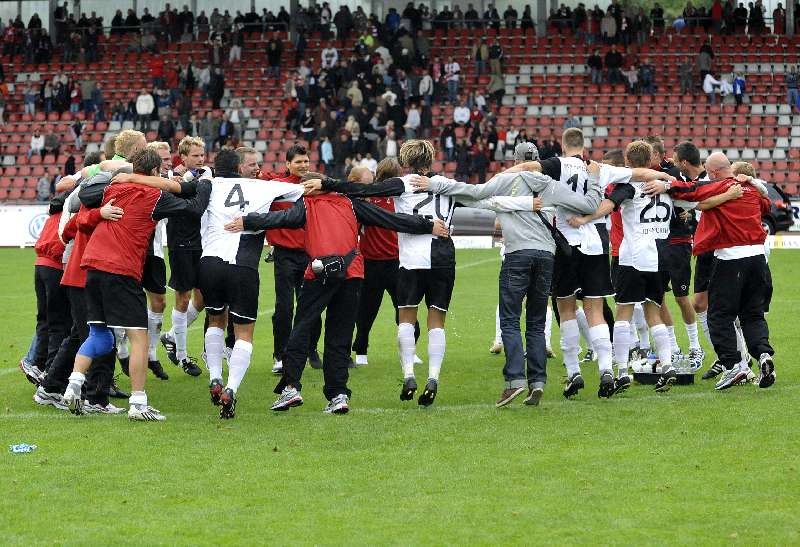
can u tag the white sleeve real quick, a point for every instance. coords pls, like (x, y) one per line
(502, 204)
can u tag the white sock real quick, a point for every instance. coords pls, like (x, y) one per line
(702, 318)
(663, 345)
(408, 347)
(122, 343)
(77, 378)
(498, 334)
(672, 340)
(191, 314)
(622, 345)
(179, 330)
(741, 345)
(138, 398)
(215, 343)
(601, 342)
(641, 326)
(548, 327)
(633, 334)
(238, 363)
(569, 345)
(583, 327)
(154, 321)
(691, 332)
(436, 348)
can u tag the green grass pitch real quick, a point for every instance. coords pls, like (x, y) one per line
(692, 466)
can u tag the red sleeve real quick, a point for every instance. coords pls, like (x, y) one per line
(766, 205)
(692, 192)
(88, 219)
(70, 229)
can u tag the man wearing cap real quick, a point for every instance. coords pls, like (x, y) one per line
(527, 266)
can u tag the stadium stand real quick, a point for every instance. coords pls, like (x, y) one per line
(546, 81)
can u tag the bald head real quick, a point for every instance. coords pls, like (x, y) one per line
(360, 175)
(718, 166)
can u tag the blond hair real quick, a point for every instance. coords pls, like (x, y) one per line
(110, 147)
(638, 154)
(657, 143)
(158, 145)
(186, 144)
(743, 168)
(128, 142)
(572, 138)
(417, 155)
(388, 168)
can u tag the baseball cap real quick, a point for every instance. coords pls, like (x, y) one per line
(526, 151)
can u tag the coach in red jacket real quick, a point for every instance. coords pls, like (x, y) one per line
(740, 281)
(290, 263)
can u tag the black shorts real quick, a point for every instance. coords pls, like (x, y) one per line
(183, 268)
(634, 287)
(703, 267)
(675, 264)
(436, 285)
(227, 285)
(589, 275)
(114, 300)
(154, 275)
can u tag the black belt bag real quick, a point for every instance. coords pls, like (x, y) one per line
(561, 241)
(332, 266)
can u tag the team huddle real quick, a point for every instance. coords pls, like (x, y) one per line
(337, 246)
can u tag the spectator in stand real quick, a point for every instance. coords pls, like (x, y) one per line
(209, 131)
(99, 102)
(595, 64)
(388, 146)
(461, 114)
(216, 87)
(608, 28)
(425, 88)
(527, 18)
(166, 129)
(686, 76)
(329, 57)
(510, 17)
(274, 52)
(778, 19)
(237, 43)
(75, 99)
(463, 159)
(739, 88)
(447, 142)
(413, 122)
(355, 95)
(157, 70)
(614, 63)
(37, 144)
(480, 160)
(29, 95)
(641, 25)
(496, 89)
(792, 93)
(308, 126)
(452, 74)
(44, 188)
(326, 154)
(145, 105)
(226, 131)
(480, 54)
(711, 87)
(496, 57)
(76, 129)
(52, 144)
(632, 79)
(647, 80)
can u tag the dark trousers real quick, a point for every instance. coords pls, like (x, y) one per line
(52, 314)
(340, 299)
(101, 372)
(739, 288)
(525, 274)
(290, 266)
(379, 276)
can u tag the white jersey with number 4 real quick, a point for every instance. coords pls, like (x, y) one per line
(574, 175)
(644, 220)
(233, 198)
(425, 251)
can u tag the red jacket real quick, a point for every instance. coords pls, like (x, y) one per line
(49, 248)
(332, 230)
(79, 228)
(735, 223)
(284, 237)
(379, 243)
(617, 235)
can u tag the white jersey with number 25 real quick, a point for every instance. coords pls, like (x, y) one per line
(644, 220)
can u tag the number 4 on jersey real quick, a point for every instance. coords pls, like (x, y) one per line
(236, 192)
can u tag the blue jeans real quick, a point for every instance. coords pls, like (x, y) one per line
(31, 356)
(452, 90)
(526, 273)
(792, 94)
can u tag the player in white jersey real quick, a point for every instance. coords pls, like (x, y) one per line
(645, 220)
(228, 271)
(427, 262)
(585, 271)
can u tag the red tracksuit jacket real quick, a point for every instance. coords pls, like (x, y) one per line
(49, 248)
